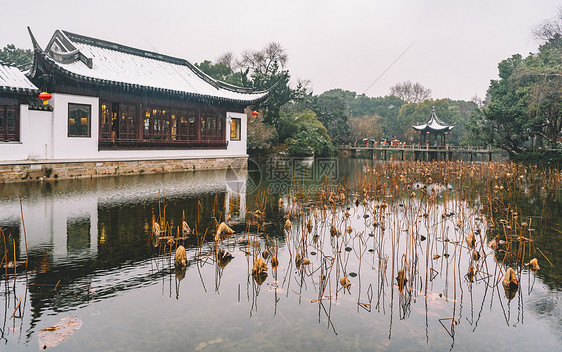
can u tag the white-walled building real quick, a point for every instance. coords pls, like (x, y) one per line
(117, 109)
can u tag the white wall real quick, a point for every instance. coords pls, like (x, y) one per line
(73, 147)
(44, 136)
(237, 147)
(34, 137)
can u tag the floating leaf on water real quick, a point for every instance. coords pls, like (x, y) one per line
(259, 266)
(180, 258)
(371, 250)
(352, 274)
(371, 234)
(58, 333)
(222, 229)
(422, 238)
(365, 216)
(305, 261)
(274, 262)
(312, 253)
(348, 249)
(344, 281)
(436, 256)
(534, 264)
(510, 279)
(446, 255)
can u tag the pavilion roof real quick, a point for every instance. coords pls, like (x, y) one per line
(433, 124)
(98, 61)
(14, 81)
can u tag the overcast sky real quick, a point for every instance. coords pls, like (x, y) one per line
(335, 44)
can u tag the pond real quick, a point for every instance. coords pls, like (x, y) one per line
(371, 256)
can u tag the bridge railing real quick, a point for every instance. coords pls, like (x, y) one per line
(448, 147)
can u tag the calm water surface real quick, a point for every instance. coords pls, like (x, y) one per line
(91, 256)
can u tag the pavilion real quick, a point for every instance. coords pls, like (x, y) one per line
(433, 127)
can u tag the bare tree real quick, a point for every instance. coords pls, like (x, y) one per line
(228, 60)
(365, 127)
(410, 92)
(263, 61)
(550, 31)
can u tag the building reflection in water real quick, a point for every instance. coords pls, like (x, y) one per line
(78, 229)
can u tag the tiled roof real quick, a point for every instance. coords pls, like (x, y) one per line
(433, 124)
(15, 81)
(109, 63)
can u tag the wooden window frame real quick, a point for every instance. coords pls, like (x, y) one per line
(89, 135)
(166, 125)
(237, 123)
(5, 136)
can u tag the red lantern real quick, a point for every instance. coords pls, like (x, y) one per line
(45, 97)
(255, 114)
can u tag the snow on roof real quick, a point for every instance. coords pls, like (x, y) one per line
(12, 79)
(106, 61)
(433, 124)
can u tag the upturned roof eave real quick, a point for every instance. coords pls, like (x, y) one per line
(69, 39)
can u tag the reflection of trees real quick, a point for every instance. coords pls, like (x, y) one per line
(10, 233)
(542, 213)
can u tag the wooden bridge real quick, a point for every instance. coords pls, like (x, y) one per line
(447, 152)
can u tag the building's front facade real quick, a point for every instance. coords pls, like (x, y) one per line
(123, 108)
